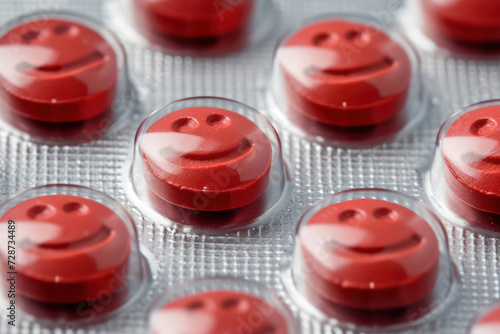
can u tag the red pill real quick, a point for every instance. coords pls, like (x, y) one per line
(70, 249)
(206, 159)
(193, 19)
(345, 73)
(219, 312)
(369, 254)
(467, 21)
(471, 151)
(210, 220)
(57, 71)
(489, 324)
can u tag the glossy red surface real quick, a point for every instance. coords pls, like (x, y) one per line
(369, 254)
(219, 312)
(371, 318)
(69, 249)
(211, 220)
(466, 21)
(206, 159)
(193, 19)
(345, 73)
(489, 324)
(57, 71)
(471, 151)
(474, 217)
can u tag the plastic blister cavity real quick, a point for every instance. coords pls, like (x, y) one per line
(488, 322)
(467, 28)
(196, 27)
(63, 77)
(208, 163)
(347, 80)
(220, 305)
(371, 258)
(463, 21)
(463, 180)
(77, 256)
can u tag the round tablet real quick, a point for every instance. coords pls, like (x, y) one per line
(206, 159)
(70, 249)
(369, 254)
(471, 151)
(218, 312)
(466, 21)
(193, 19)
(345, 73)
(57, 71)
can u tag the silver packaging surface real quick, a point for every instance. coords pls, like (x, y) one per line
(316, 170)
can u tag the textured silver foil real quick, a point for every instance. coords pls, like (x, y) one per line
(316, 170)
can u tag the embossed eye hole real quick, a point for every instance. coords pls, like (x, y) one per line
(196, 306)
(61, 29)
(75, 208)
(360, 38)
(326, 39)
(351, 216)
(30, 35)
(185, 124)
(65, 29)
(218, 121)
(41, 211)
(483, 127)
(386, 214)
(229, 304)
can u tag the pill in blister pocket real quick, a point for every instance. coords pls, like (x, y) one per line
(369, 254)
(186, 151)
(471, 152)
(70, 249)
(56, 70)
(218, 312)
(345, 73)
(466, 21)
(193, 19)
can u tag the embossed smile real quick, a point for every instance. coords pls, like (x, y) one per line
(380, 67)
(406, 245)
(91, 59)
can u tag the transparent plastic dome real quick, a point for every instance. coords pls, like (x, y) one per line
(345, 80)
(220, 305)
(64, 77)
(76, 258)
(462, 181)
(458, 28)
(371, 258)
(196, 27)
(209, 164)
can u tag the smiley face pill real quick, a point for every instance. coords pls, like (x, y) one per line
(206, 159)
(344, 73)
(471, 22)
(193, 19)
(369, 254)
(219, 311)
(70, 249)
(57, 71)
(471, 152)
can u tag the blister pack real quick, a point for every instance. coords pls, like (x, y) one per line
(250, 166)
